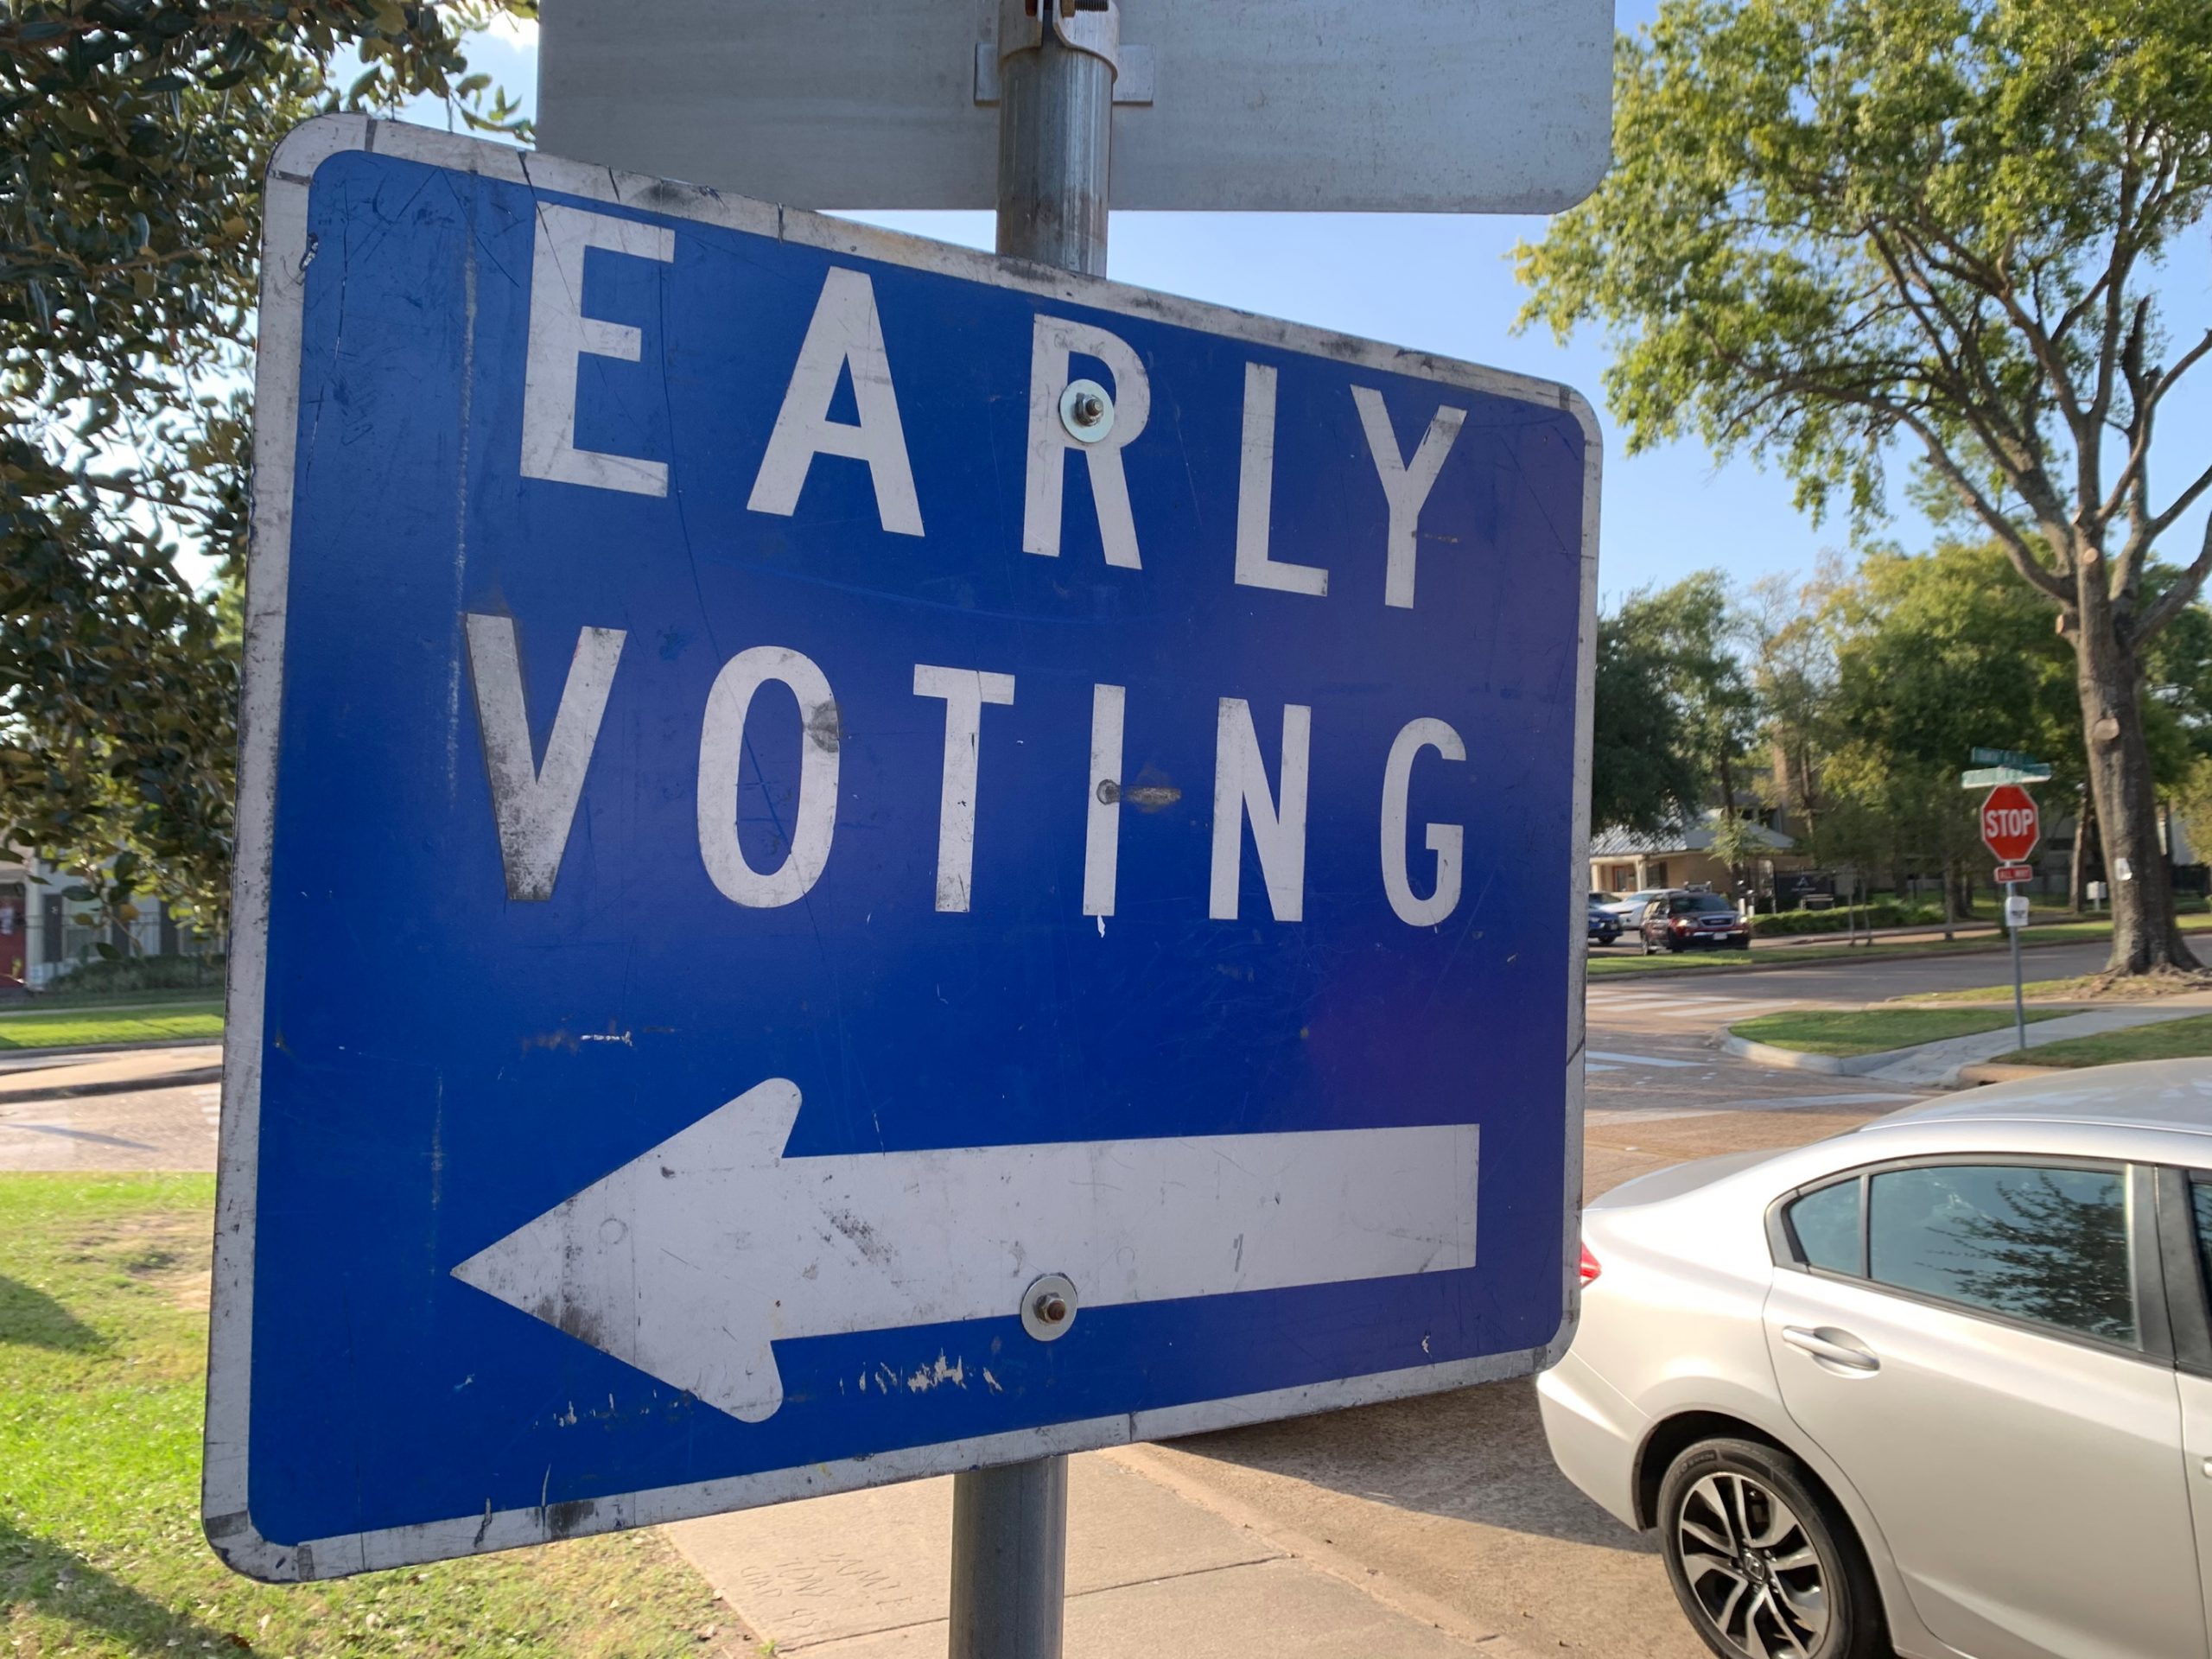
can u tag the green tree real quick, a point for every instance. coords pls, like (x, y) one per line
(1934, 654)
(1643, 770)
(1791, 661)
(1836, 227)
(135, 134)
(1692, 630)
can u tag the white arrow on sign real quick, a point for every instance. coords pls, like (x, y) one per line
(692, 1260)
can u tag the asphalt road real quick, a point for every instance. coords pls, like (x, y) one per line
(1449, 1502)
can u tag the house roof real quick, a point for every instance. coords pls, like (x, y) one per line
(1673, 838)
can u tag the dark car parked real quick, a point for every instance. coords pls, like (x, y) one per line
(1605, 926)
(1677, 921)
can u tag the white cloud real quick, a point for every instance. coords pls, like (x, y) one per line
(521, 33)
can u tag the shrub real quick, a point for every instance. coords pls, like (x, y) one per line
(127, 975)
(1885, 913)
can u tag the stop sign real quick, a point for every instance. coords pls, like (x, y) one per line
(2008, 822)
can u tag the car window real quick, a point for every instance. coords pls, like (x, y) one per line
(1825, 1225)
(2200, 1200)
(2048, 1245)
(1713, 901)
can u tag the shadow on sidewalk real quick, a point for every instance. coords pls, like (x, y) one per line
(1474, 1454)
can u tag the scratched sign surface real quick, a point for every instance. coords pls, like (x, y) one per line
(856, 861)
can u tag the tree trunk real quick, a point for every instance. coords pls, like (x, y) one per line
(2145, 936)
(1950, 895)
(2085, 833)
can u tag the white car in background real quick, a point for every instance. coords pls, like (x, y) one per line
(1629, 906)
(1942, 1385)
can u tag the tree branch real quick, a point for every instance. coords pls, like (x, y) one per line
(2171, 604)
(2163, 522)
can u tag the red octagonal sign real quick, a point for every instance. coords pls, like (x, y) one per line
(2008, 822)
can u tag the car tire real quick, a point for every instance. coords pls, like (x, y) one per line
(1740, 944)
(1754, 1546)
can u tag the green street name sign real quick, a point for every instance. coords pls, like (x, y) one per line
(1989, 776)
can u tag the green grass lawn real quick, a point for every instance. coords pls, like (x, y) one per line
(2169, 1039)
(1816, 1030)
(2076, 987)
(103, 1329)
(199, 1021)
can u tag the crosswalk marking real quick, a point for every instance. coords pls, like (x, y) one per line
(1708, 1009)
(1648, 1002)
(1645, 1059)
(1620, 1116)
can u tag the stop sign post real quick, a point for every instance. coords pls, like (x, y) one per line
(2008, 827)
(2009, 830)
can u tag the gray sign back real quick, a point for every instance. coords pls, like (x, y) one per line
(1289, 106)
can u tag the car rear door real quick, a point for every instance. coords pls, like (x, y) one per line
(2185, 1231)
(1982, 1346)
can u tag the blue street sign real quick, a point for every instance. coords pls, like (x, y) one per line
(856, 861)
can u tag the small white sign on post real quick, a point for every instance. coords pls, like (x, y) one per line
(2015, 909)
(1283, 105)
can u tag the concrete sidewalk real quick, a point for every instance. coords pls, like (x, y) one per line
(1154, 1569)
(1937, 1065)
(66, 1075)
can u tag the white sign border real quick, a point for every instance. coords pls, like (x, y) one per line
(287, 252)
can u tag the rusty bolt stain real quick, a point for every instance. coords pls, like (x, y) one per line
(1051, 1308)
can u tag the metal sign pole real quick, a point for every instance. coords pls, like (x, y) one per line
(1009, 1560)
(2019, 1001)
(1056, 111)
(1010, 1524)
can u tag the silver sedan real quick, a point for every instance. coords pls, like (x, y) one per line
(1940, 1385)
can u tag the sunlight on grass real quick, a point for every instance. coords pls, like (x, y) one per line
(2169, 1039)
(191, 1022)
(1824, 1031)
(103, 1328)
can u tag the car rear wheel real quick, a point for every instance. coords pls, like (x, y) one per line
(1763, 1562)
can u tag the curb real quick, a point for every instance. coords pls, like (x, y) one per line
(1796, 1059)
(1754, 963)
(110, 1086)
(63, 1049)
(1991, 1072)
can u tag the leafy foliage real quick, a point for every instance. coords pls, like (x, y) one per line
(1673, 707)
(1642, 773)
(133, 135)
(1836, 227)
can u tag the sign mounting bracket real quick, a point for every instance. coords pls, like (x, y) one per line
(1092, 25)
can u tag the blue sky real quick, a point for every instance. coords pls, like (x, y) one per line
(1445, 284)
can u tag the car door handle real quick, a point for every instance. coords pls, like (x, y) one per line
(1837, 1347)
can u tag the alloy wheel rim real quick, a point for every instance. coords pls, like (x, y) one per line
(1753, 1567)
